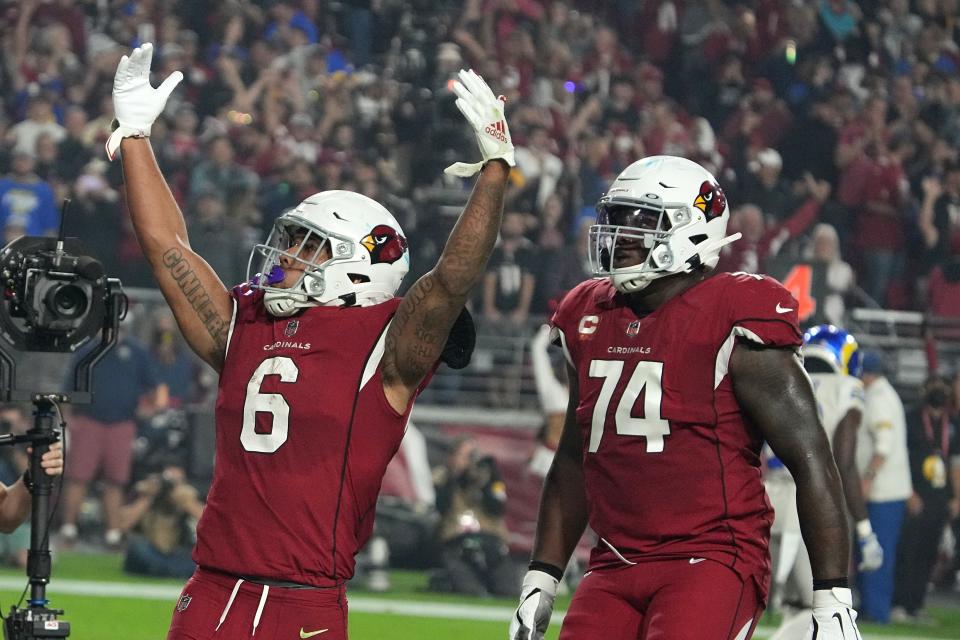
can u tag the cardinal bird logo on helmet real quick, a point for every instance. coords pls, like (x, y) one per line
(384, 244)
(711, 200)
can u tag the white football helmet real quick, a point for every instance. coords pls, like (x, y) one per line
(368, 254)
(670, 206)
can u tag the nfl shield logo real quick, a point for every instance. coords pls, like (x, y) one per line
(184, 603)
(633, 328)
(292, 327)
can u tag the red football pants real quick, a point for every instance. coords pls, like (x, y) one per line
(682, 599)
(210, 597)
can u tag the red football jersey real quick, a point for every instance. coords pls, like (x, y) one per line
(304, 435)
(671, 465)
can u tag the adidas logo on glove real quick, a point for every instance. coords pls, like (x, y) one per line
(498, 131)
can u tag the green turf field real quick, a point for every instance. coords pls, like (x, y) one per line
(132, 608)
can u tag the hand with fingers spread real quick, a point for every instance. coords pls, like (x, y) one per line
(136, 103)
(484, 112)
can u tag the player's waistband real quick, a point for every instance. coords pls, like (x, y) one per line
(320, 582)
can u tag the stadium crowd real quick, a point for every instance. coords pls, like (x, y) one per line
(853, 105)
(834, 127)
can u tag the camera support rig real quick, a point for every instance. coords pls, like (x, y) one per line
(53, 302)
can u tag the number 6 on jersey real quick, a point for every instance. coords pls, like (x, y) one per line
(272, 403)
(647, 376)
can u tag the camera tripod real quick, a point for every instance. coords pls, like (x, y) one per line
(38, 621)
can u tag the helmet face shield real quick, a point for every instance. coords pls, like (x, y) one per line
(296, 244)
(626, 234)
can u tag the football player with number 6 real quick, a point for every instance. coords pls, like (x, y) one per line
(319, 366)
(677, 376)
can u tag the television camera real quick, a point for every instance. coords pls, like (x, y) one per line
(56, 299)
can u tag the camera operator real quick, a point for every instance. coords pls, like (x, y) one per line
(14, 493)
(161, 525)
(471, 500)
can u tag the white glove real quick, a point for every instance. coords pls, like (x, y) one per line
(531, 618)
(871, 553)
(834, 617)
(484, 112)
(136, 104)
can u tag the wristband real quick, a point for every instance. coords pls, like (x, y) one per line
(27, 480)
(864, 529)
(546, 567)
(830, 583)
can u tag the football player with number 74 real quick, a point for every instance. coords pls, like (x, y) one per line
(677, 377)
(319, 365)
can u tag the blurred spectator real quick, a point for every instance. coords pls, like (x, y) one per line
(570, 266)
(840, 17)
(287, 19)
(101, 434)
(884, 465)
(26, 202)
(471, 500)
(725, 91)
(940, 216)
(40, 120)
(298, 138)
(759, 122)
(219, 238)
(934, 449)
(176, 365)
(759, 242)
(765, 187)
(47, 160)
(538, 170)
(217, 175)
(824, 250)
(182, 144)
(73, 152)
(510, 279)
(812, 140)
(874, 188)
(161, 524)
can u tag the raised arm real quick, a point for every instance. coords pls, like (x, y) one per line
(419, 330)
(199, 301)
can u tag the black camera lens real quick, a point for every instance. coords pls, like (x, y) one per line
(68, 301)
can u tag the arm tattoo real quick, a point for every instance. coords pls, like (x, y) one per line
(192, 288)
(472, 239)
(423, 320)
